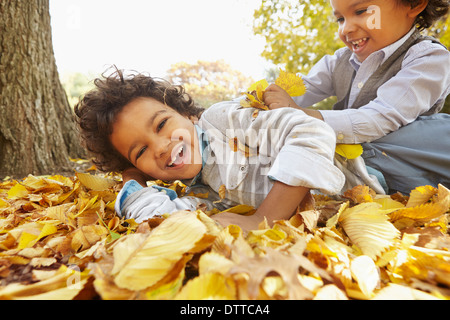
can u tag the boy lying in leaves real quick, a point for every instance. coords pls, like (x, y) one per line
(149, 129)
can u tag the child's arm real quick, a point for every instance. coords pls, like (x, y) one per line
(297, 151)
(280, 204)
(276, 97)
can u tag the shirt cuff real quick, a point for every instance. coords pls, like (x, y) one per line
(311, 171)
(128, 188)
(342, 125)
(132, 186)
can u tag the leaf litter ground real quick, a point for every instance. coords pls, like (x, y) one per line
(60, 239)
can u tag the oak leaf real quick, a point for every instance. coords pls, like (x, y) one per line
(287, 266)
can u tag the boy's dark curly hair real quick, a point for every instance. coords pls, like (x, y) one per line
(97, 110)
(435, 10)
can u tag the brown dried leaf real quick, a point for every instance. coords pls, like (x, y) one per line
(360, 194)
(286, 266)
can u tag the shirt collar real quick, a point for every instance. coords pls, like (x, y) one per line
(382, 54)
(203, 144)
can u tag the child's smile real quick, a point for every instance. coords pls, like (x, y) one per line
(359, 45)
(157, 140)
(366, 26)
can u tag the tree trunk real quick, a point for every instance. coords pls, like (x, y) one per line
(37, 128)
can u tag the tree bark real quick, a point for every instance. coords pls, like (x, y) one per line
(37, 129)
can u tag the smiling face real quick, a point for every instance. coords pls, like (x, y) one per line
(366, 26)
(157, 140)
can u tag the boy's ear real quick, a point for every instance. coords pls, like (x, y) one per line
(415, 11)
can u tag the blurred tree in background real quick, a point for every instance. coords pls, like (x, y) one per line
(76, 84)
(297, 33)
(209, 82)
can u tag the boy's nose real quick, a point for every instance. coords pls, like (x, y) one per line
(161, 147)
(348, 27)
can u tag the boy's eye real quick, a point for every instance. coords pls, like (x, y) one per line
(140, 152)
(339, 20)
(161, 125)
(360, 12)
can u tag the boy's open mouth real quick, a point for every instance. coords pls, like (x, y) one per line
(178, 155)
(359, 44)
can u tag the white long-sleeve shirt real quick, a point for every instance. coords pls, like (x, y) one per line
(247, 151)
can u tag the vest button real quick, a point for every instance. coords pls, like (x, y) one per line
(360, 85)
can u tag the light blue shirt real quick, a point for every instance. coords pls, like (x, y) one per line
(423, 81)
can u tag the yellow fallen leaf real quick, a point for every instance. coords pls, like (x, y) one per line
(65, 293)
(213, 262)
(419, 209)
(349, 151)
(180, 234)
(366, 274)
(291, 83)
(27, 240)
(360, 194)
(3, 204)
(420, 214)
(169, 289)
(95, 183)
(65, 284)
(241, 209)
(368, 228)
(208, 286)
(330, 292)
(222, 193)
(31, 236)
(18, 191)
(259, 87)
(420, 195)
(267, 238)
(86, 236)
(388, 204)
(398, 292)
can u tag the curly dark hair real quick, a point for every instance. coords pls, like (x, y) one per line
(434, 10)
(97, 110)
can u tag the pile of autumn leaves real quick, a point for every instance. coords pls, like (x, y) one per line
(60, 239)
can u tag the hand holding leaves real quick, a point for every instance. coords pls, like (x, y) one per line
(263, 96)
(276, 97)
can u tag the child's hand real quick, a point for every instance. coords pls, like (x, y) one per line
(280, 204)
(275, 97)
(246, 223)
(133, 173)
